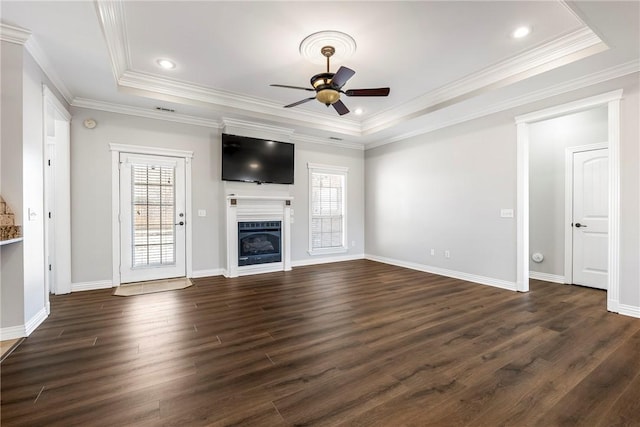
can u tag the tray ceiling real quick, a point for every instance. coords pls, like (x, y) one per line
(433, 55)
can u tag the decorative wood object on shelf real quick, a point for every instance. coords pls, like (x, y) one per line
(8, 228)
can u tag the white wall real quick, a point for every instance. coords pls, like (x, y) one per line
(35, 298)
(548, 142)
(91, 189)
(630, 196)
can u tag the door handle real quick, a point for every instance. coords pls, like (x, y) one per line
(578, 225)
(180, 223)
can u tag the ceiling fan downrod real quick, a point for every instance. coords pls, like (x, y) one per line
(328, 51)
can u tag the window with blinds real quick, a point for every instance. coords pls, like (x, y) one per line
(153, 210)
(327, 209)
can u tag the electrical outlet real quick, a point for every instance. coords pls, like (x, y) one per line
(353, 243)
(433, 252)
(447, 254)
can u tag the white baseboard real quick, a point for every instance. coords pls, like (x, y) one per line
(36, 321)
(553, 278)
(629, 310)
(325, 260)
(490, 281)
(91, 286)
(21, 331)
(12, 332)
(207, 273)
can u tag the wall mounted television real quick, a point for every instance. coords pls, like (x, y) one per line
(256, 160)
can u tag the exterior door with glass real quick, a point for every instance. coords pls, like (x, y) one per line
(152, 217)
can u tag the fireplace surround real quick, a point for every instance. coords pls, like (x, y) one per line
(258, 234)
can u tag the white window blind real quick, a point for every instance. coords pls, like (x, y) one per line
(327, 209)
(153, 210)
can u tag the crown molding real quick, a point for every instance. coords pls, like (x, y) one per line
(548, 92)
(200, 94)
(519, 67)
(112, 20)
(21, 36)
(261, 127)
(42, 60)
(144, 112)
(324, 141)
(198, 121)
(555, 53)
(12, 34)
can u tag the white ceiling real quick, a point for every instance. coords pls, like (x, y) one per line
(444, 61)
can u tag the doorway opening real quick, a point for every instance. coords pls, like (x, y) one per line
(57, 196)
(612, 102)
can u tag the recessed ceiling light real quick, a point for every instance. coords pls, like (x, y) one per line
(521, 32)
(166, 64)
(358, 111)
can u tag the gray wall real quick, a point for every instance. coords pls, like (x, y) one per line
(548, 141)
(12, 273)
(23, 267)
(444, 190)
(91, 189)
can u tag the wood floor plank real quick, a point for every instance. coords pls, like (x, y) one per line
(351, 343)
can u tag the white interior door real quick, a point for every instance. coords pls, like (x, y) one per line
(590, 218)
(152, 217)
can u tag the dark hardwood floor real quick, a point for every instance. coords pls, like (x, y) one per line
(355, 343)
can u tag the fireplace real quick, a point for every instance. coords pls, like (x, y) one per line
(258, 230)
(259, 242)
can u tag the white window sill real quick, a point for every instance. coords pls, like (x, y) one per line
(327, 251)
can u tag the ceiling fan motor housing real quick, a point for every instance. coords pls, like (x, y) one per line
(325, 92)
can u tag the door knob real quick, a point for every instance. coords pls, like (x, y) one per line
(578, 225)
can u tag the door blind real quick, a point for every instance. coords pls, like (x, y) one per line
(153, 211)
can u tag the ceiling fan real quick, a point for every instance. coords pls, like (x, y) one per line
(328, 86)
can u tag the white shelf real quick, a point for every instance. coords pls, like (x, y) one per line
(7, 242)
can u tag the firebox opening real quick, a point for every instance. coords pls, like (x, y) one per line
(259, 242)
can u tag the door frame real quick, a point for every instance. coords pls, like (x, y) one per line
(56, 183)
(568, 204)
(116, 149)
(612, 101)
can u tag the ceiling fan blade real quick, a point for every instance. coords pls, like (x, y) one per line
(294, 87)
(340, 107)
(381, 91)
(341, 77)
(299, 102)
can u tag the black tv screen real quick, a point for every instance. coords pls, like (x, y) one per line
(256, 160)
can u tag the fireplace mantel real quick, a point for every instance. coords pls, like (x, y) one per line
(257, 208)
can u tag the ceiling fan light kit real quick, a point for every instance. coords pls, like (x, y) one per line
(328, 85)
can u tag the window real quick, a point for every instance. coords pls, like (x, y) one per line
(153, 215)
(327, 209)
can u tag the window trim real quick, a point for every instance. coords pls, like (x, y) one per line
(334, 170)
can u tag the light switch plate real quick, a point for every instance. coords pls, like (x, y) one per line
(202, 212)
(506, 213)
